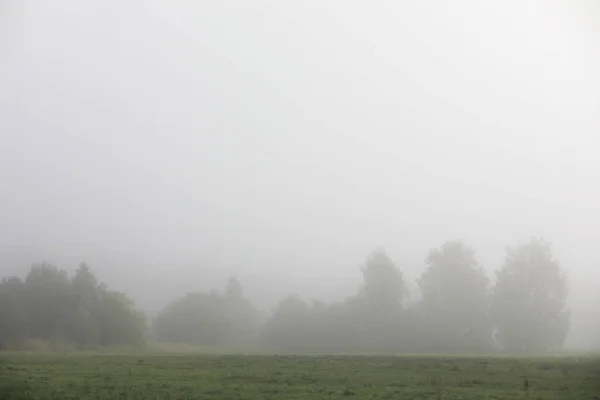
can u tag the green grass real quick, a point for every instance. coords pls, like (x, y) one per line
(73, 376)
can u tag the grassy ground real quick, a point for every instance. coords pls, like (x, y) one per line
(29, 376)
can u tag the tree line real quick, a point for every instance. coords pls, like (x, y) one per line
(48, 305)
(459, 310)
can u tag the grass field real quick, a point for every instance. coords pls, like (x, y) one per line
(28, 376)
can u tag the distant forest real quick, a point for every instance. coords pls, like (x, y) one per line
(459, 310)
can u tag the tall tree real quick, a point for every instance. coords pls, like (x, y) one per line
(49, 302)
(233, 289)
(239, 313)
(383, 284)
(13, 322)
(529, 300)
(87, 292)
(380, 303)
(454, 304)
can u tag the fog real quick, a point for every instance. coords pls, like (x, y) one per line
(171, 145)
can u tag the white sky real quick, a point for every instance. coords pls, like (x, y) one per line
(171, 144)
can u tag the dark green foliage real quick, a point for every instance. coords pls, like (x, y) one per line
(49, 306)
(297, 377)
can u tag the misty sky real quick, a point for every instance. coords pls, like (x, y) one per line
(173, 144)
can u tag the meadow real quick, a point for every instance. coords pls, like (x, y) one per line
(158, 377)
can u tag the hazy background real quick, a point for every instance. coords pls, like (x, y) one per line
(173, 144)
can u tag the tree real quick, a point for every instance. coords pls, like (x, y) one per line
(118, 320)
(454, 304)
(233, 290)
(104, 316)
(383, 287)
(529, 300)
(49, 302)
(338, 327)
(13, 323)
(288, 329)
(44, 273)
(85, 285)
(371, 320)
(212, 319)
(239, 314)
(192, 319)
(87, 292)
(49, 306)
